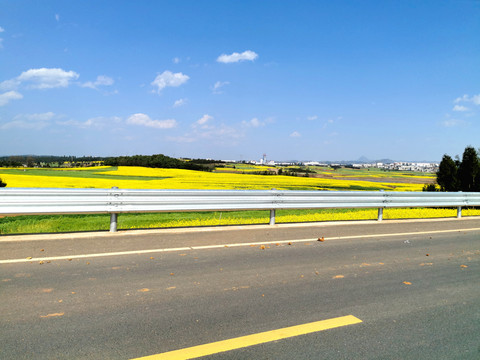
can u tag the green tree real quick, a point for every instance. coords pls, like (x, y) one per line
(447, 174)
(430, 187)
(469, 170)
(30, 161)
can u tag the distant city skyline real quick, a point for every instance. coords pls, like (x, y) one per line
(320, 81)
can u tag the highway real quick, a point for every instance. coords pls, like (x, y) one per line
(413, 286)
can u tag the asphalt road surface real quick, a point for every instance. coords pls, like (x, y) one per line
(414, 285)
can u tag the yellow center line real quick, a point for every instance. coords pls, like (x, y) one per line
(254, 339)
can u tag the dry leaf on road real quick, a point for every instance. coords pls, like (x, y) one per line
(52, 315)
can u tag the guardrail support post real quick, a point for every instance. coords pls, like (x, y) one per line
(113, 217)
(380, 214)
(272, 211)
(380, 210)
(459, 212)
(272, 217)
(113, 222)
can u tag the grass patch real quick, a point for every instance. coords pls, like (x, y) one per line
(33, 224)
(76, 223)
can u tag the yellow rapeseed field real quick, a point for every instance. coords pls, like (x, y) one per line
(152, 178)
(362, 214)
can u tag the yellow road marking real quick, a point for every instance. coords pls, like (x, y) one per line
(254, 339)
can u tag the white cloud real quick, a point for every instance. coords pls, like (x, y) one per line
(236, 57)
(30, 121)
(176, 60)
(254, 122)
(327, 123)
(22, 124)
(295, 134)
(39, 117)
(205, 129)
(220, 134)
(475, 99)
(313, 117)
(5, 98)
(202, 122)
(44, 78)
(47, 78)
(460, 99)
(460, 108)
(180, 102)
(57, 17)
(9, 84)
(167, 78)
(144, 120)
(218, 85)
(101, 80)
(99, 122)
(453, 123)
(204, 119)
(1, 40)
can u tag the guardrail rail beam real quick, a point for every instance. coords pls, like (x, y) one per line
(114, 201)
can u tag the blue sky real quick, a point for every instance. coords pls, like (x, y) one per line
(305, 80)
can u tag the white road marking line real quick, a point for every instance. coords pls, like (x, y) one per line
(206, 247)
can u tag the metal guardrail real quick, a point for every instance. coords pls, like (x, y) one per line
(29, 201)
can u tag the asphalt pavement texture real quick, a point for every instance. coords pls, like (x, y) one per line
(418, 295)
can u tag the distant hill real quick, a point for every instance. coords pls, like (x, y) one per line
(363, 159)
(385, 161)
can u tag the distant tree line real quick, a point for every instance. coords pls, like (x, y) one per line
(205, 161)
(159, 161)
(296, 171)
(44, 160)
(155, 161)
(459, 175)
